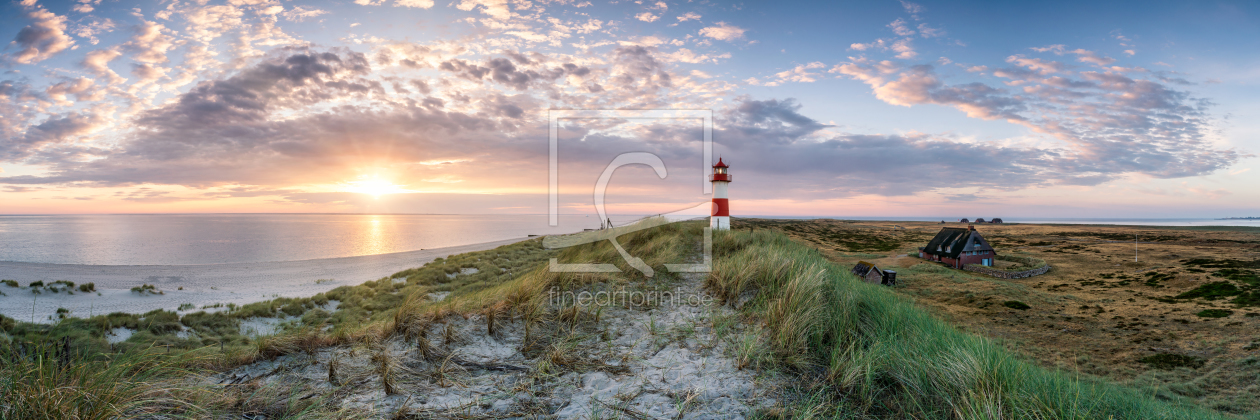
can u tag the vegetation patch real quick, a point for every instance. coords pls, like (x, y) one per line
(1211, 291)
(1246, 276)
(147, 289)
(1215, 313)
(1116, 236)
(1225, 263)
(1015, 304)
(1169, 361)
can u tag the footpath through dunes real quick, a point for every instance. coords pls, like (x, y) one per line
(669, 361)
(194, 285)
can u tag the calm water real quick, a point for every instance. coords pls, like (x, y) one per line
(235, 238)
(1080, 221)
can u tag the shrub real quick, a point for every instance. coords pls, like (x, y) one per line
(10, 283)
(1211, 291)
(1215, 313)
(212, 323)
(1169, 361)
(39, 283)
(147, 289)
(161, 322)
(1015, 304)
(87, 287)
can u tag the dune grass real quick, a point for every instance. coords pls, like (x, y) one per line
(871, 353)
(44, 381)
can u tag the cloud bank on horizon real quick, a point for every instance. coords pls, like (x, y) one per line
(262, 105)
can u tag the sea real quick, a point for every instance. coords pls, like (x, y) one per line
(195, 239)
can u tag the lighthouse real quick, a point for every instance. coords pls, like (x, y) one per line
(721, 218)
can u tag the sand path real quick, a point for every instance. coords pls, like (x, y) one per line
(202, 284)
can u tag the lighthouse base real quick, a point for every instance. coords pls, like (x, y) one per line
(720, 222)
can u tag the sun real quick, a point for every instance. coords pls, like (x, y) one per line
(374, 187)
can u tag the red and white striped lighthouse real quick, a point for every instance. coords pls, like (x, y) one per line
(721, 218)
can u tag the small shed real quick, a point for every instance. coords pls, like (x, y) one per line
(871, 274)
(868, 272)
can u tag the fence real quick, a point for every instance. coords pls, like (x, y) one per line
(1002, 274)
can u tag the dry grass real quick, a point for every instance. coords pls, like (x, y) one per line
(1096, 312)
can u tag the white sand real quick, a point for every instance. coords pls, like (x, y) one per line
(202, 284)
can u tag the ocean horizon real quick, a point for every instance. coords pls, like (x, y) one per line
(200, 239)
(226, 238)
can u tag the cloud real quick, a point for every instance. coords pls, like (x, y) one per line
(1109, 124)
(684, 55)
(42, 39)
(95, 27)
(801, 73)
(928, 32)
(422, 4)
(901, 46)
(497, 9)
(58, 129)
(149, 43)
(300, 13)
(899, 27)
(1084, 56)
(647, 17)
(97, 62)
(1042, 67)
(504, 71)
(911, 8)
(723, 31)
(688, 16)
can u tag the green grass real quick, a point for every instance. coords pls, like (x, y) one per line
(875, 354)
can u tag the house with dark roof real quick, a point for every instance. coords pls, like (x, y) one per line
(996, 220)
(871, 274)
(980, 220)
(957, 247)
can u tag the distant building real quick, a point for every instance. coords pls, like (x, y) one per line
(996, 220)
(964, 221)
(958, 247)
(871, 274)
(980, 220)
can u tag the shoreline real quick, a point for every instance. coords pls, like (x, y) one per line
(202, 285)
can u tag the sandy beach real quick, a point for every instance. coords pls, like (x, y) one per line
(199, 285)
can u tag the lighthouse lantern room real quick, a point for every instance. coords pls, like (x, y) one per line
(721, 218)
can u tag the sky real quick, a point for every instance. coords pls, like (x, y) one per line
(869, 108)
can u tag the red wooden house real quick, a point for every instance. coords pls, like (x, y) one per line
(958, 247)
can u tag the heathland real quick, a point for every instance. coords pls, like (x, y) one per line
(1169, 310)
(791, 334)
